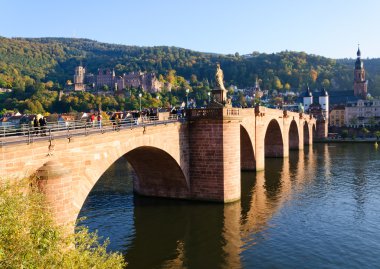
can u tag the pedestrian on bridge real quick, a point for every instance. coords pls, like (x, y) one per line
(99, 119)
(42, 122)
(35, 125)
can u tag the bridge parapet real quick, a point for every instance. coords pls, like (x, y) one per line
(212, 113)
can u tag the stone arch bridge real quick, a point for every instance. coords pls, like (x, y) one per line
(199, 158)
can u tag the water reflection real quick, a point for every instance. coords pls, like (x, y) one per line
(286, 213)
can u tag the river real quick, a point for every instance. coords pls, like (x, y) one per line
(319, 208)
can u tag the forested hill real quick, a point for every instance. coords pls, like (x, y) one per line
(24, 60)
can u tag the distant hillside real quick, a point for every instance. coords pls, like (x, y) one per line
(55, 58)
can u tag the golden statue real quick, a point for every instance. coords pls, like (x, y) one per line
(219, 77)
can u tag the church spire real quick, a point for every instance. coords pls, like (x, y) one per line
(359, 62)
(358, 53)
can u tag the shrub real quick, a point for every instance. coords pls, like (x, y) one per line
(30, 239)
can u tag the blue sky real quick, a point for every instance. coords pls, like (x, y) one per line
(329, 28)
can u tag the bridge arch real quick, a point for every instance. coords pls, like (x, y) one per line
(273, 141)
(158, 154)
(158, 173)
(294, 139)
(247, 153)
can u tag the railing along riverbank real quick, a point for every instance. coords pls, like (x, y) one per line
(25, 134)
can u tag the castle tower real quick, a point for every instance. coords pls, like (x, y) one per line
(79, 76)
(307, 98)
(360, 83)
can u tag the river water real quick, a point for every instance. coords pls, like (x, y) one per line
(319, 208)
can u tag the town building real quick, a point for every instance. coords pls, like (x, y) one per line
(337, 116)
(362, 113)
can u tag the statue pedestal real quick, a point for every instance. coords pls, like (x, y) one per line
(219, 95)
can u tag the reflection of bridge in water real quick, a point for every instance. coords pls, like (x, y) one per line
(198, 159)
(214, 235)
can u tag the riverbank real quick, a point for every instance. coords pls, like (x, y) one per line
(346, 140)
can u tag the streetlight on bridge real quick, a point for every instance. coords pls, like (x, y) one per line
(209, 96)
(140, 102)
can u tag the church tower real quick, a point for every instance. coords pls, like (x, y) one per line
(360, 83)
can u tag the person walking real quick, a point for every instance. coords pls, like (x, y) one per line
(99, 119)
(35, 126)
(92, 119)
(42, 122)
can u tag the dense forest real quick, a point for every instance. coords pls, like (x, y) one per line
(36, 67)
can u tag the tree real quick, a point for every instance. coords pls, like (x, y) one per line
(326, 83)
(313, 75)
(365, 132)
(277, 83)
(353, 121)
(377, 134)
(372, 121)
(344, 134)
(193, 79)
(30, 239)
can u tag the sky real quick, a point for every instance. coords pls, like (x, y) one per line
(330, 28)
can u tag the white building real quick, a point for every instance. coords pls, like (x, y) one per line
(362, 113)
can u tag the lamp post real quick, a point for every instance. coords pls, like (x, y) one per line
(209, 96)
(140, 101)
(158, 103)
(187, 97)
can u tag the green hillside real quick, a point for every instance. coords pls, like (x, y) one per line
(32, 65)
(55, 58)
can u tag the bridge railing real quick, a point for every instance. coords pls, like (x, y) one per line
(212, 113)
(69, 129)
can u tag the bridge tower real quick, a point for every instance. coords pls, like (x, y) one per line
(323, 117)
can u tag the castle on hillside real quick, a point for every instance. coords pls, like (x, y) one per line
(105, 77)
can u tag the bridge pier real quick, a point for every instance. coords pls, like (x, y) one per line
(260, 145)
(55, 181)
(214, 142)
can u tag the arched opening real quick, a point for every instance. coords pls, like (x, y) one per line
(158, 173)
(306, 136)
(145, 170)
(247, 154)
(111, 205)
(293, 136)
(274, 146)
